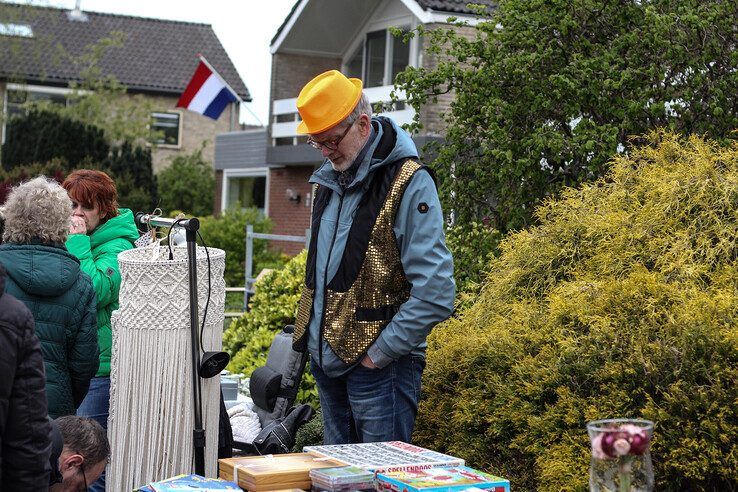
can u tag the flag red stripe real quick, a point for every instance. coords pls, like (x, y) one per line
(201, 75)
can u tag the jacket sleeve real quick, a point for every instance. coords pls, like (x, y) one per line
(26, 443)
(428, 267)
(103, 269)
(84, 358)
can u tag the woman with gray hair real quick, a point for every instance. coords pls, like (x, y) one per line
(47, 279)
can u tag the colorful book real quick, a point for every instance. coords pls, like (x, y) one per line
(342, 478)
(272, 472)
(384, 456)
(182, 483)
(442, 479)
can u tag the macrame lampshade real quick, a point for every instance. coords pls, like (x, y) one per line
(151, 408)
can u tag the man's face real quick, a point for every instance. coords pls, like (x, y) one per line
(350, 140)
(77, 474)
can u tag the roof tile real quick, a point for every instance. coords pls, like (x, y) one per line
(157, 55)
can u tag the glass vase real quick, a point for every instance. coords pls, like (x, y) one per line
(621, 458)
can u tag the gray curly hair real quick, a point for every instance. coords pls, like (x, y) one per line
(39, 209)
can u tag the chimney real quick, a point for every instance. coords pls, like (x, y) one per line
(77, 15)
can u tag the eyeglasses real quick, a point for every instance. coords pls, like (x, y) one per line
(84, 476)
(331, 143)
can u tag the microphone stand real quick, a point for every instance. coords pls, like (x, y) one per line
(191, 226)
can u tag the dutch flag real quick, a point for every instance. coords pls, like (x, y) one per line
(207, 93)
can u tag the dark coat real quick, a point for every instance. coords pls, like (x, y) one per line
(24, 429)
(48, 280)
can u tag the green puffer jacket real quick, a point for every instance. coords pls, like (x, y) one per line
(98, 257)
(48, 280)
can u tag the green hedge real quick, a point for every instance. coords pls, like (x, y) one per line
(273, 305)
(472, 247)
(622, 303)
(228, 232)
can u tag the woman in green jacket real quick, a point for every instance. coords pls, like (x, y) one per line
(98, 233)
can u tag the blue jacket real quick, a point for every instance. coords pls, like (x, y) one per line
(48, 280)
(421, 241)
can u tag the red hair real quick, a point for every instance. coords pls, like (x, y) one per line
(93, 188)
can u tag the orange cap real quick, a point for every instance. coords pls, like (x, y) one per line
(326, 101)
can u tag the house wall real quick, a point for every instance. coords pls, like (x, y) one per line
(195, 129)
(290, 218)
(291, 72)
(430, 115)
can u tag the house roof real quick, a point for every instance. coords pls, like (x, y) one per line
(157, 56)
(440, 6)
(453, 6)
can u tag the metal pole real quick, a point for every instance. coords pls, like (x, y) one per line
(249, 265)
(198, 433)
(307, 238)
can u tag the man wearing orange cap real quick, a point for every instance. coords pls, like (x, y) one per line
(378, 276)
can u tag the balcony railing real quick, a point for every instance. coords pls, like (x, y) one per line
(285, 116)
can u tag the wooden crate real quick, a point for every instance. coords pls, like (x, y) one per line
(272, 472)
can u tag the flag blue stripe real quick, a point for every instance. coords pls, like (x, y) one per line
(216, 107)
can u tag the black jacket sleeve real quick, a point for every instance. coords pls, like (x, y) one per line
(23, 410)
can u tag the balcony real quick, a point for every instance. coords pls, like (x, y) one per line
(285, 117)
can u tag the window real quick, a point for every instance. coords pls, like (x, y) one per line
(165, 128)
(379, 58)
(376, 43)
(18, 96)
(20, 30)
(248, 191)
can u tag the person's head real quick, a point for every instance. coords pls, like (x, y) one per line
(84, 455)
(336, 115)
(94, 197)
(37, 210)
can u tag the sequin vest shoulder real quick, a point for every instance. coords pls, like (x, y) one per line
(370, 284)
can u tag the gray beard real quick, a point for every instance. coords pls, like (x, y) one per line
(346, 164)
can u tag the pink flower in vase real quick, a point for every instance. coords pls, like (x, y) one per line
(627, 439)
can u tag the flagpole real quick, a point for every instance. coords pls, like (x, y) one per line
(215, 72)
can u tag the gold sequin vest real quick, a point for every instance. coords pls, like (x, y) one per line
(370, 284)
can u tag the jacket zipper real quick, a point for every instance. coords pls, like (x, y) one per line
(325, 281)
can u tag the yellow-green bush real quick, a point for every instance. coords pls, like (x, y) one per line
(273, 305)
(622, 303)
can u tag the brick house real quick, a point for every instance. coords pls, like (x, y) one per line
(269, 168)
(38, 47)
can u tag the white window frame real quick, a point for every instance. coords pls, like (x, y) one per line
(254, 172)
(16, 30)
(28, 88)
(385, 24)
(179, 129)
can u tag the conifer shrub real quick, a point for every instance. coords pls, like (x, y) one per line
(273, 305)
(623, 302)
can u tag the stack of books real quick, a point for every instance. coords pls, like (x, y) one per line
(441, 479)
(182, 483)
(272, 472)
(342, 479)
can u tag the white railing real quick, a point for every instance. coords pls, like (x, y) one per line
(288, 129)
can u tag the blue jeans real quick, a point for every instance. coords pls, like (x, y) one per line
(96, 406)
(370, 405)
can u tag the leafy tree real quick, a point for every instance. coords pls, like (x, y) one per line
(130, 167)
(546, 91)
(228, 232)
(41, 136)
(188, 184)
(103, 101)
(55, 169)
